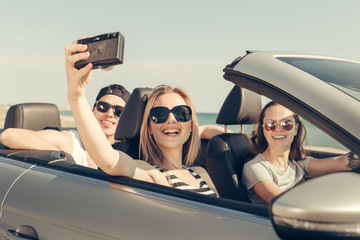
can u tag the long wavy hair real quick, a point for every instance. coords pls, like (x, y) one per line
(150, 151)
(297, 151)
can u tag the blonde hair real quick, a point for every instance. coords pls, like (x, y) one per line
(150, 151)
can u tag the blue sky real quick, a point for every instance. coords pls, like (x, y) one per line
(183, 43)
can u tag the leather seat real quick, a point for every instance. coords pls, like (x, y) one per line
(128, 129)
(36, 116)
(226, 153)
(33, 116)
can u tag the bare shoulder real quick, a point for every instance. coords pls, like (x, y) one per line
(144, 165)
(150, 169)
(149, 173)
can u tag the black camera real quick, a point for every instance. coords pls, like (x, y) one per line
(105, 50)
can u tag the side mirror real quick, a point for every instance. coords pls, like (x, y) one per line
(326, 207)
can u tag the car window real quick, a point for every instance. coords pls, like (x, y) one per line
(343, 75)
(316, 137)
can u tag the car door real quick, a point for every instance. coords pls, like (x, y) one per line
(53, 204)
(9, 173)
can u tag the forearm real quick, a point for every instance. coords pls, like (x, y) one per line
(90, 132)
(95, 142)
(209, 131)
(267, 190)
(319, 167)
(18, 138)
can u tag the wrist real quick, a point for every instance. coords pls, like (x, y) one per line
(353, 160)
(73, 99)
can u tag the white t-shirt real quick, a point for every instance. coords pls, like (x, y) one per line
(259, 169)
(78, 153)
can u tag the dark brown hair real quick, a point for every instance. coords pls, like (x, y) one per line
(297, 151)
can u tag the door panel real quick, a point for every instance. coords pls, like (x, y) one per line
(60, 205)
(10, 171)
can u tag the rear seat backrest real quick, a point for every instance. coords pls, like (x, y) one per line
(128, 129)
(227, 152)
(33, 116)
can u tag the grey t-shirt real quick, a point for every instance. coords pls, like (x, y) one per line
(259, 169)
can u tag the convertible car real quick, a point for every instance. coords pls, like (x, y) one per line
(45, 195)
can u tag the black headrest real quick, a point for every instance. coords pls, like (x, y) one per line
(33, 116)
(131, 118)
(241, 106)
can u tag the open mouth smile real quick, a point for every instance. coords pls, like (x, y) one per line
(173, 132)
(279, 137)
(107, 123)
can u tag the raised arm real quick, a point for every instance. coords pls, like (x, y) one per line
(18, 138)
(98, 147)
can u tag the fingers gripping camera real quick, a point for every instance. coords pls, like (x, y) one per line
(106, 50)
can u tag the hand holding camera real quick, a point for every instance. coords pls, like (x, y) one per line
(102, 51)
(106, 50)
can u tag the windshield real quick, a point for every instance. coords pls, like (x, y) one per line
(343, 75)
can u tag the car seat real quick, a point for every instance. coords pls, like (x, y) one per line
(227, 152)
(128, 130)
(33, 116)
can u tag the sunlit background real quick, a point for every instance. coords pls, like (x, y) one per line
(185, 43)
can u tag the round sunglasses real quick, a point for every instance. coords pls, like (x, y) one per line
(182, 113)
(104, 107)
(286, 125)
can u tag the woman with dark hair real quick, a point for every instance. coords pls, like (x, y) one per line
(281, 162)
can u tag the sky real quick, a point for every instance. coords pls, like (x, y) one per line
(182, 43)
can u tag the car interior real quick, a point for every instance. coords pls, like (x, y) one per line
(223, 156)
(33, 116)
(228, 152)
(37, 116)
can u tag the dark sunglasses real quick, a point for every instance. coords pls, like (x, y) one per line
(104, 107)
(286, 124)
(182, 113)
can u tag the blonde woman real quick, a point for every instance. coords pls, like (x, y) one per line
(169, 134)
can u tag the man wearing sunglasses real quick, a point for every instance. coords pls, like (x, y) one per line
(107, 109)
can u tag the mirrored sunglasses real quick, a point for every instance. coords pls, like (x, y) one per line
(286, 125)
(182, 113)
(104, 107)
